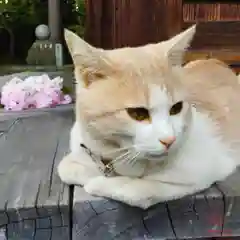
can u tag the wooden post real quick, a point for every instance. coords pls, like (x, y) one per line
(55, 26)
(54, 20)
(174, 17)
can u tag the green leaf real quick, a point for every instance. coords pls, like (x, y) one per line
(66, 90)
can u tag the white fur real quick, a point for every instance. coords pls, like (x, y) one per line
(197, 158)
(163, 126)
(200, 160)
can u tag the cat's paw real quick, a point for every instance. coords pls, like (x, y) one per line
(96, 186)
(73, 171)
(119, 189)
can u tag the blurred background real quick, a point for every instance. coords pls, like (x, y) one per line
(19, 19)
(116, 23)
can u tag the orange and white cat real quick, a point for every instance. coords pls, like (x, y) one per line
(169, 130)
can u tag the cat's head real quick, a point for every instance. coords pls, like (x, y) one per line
(133, 96)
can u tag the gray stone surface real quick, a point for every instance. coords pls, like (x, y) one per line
(33, 201)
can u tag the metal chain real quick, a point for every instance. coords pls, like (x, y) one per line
(106, 170)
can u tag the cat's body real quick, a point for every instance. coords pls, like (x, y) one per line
(204, 148)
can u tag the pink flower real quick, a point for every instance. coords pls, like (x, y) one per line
(33, 92)
(66, 99)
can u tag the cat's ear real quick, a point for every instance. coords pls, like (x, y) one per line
(90, 62)
(177, 45)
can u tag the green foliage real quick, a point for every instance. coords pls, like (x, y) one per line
(69, 13)
(81, 17)
(66, 90)
(33, 12)
(17, 12)
(20, 17)
(80, 13)
(81, 9)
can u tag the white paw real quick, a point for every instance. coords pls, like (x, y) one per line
(96, 186)
(134, 198)
(72, 171)
(119, 189)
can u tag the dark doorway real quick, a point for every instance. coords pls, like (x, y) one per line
(5, 40)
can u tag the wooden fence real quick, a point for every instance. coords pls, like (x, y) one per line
(118, 23)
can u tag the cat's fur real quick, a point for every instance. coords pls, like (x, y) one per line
(151, 76)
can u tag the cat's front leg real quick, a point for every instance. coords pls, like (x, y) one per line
(138, 192)
(77, 169)
(120, 189)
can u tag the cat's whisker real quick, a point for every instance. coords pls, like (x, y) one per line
(132, 161)
(125, 158)
(118, 150)
(121, 157)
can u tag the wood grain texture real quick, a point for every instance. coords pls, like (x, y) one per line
(8, 116)
(33, 200)
(5, 125)
(174, 20)
(230, 57)
(194, 217)
(118, 23)
(231, 191)
(207, 12)
(34, 203)
(94, 22)
(216, 35)
(98, 218)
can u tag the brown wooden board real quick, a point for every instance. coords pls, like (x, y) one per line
(118, 23)
(206, 11)
(215, 35)
(230, 57)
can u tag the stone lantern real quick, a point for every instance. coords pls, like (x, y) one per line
(47, 48)
(42, 32)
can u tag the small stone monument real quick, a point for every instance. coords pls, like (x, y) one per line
(42, 32)
(42, 52)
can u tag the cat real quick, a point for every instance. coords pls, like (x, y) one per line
(170, 130)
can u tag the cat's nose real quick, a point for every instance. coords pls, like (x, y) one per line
(167, 142)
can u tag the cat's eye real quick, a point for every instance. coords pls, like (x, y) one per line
(176, 108)
(138, 114)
